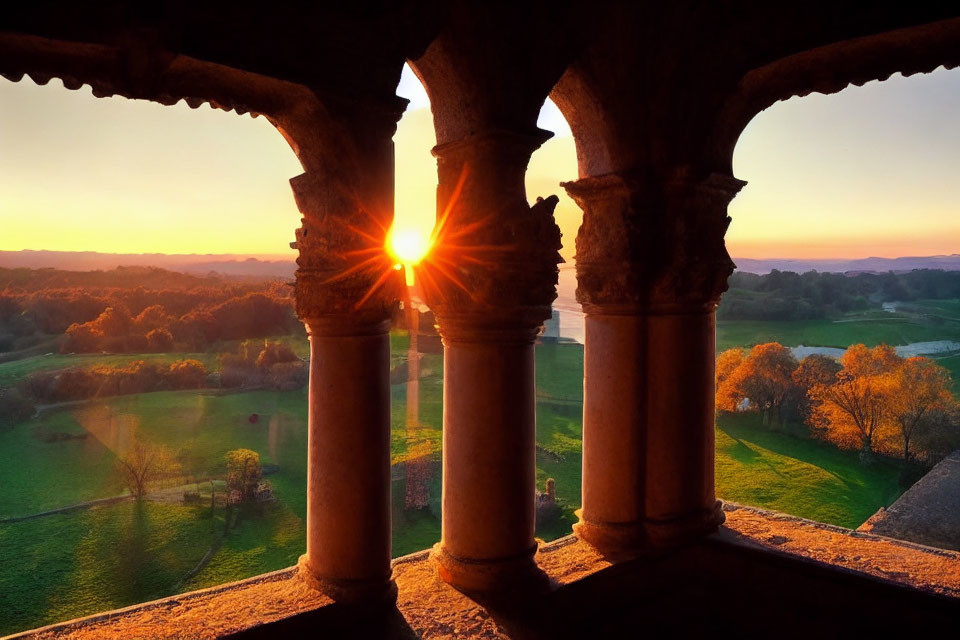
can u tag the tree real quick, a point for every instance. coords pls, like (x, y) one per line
(941, 433)
(815, 369)
(142, 464)
(244, 472)
(764, 378)
(917, 388)
(114, 322)
(153, 317)
(852, 407)
(728, 396)
(274, 353)
(187, 374)
(81, 338)
(858, 360)
(856, 406)
(159, 341)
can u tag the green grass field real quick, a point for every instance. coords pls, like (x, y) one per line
(919, 321)
(826, 333)
(952, 364)
(64, 566)
(806, 478)
(13, 372)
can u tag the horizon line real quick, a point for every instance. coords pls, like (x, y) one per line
(289, 257)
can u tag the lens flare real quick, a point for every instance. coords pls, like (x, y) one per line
(408, 246)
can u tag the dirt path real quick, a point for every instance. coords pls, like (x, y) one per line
(168, 495)
(73, 507)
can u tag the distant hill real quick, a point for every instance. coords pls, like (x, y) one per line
(198, 264)
(285, 266)
(860, 265)
(23, 279)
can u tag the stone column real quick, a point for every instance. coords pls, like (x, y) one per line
(345, 286)
(490, 280)
(651, 266)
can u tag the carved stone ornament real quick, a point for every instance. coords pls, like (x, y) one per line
(653, 246)
(494, 266)
(343, 269)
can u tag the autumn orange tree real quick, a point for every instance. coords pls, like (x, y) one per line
(854, 408)
(917, 388)
(815, 369)
(763, 377)
(728, 394)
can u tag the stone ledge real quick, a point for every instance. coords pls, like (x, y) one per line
(208, 613)
(587, 588)
(907, 563)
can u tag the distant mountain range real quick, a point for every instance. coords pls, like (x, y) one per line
(197, 264)
(859, 265)
(285, 266)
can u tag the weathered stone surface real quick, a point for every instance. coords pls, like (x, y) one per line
(589, 595)
(928, 513)
(653, 247)
(903, 562)
(494, 265)
(343, 266)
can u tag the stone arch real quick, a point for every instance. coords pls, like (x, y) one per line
(832, 68)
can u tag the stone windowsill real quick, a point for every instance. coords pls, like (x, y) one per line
(433, 609)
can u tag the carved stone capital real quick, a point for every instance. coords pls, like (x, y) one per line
(494, 265)
(343, 268)
(653, 246)
(498, 282)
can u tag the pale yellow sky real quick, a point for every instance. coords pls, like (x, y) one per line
(869, 171)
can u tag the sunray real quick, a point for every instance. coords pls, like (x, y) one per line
(441, 224)
(427, 282)
(359, 252)
(452, 277)
(470, 228)
(466, 257)
(373, 288)
(360, 266)
(455, 263)
(479, 247)
(377, 241)
(376, 221)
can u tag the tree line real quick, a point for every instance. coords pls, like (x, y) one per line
(267, 365)
(137, 309)
(786, 295)
(871, 399)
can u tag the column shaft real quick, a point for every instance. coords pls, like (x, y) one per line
(348, 476)
(648, 429)
(489, 452)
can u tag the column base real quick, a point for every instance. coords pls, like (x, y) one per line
(491, 577)
(367, 592)
(626, 540)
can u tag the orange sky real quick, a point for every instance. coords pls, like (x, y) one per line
(869, 171)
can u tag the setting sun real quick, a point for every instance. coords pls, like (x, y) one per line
(408, 246)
